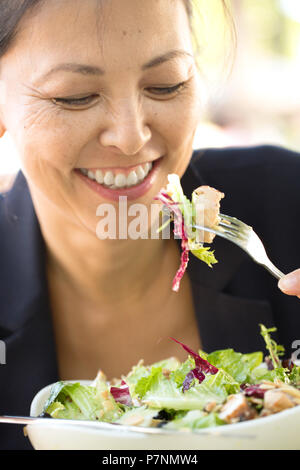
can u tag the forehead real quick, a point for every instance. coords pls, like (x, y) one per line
(108, 30)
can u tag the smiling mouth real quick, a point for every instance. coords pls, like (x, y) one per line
(119, 178)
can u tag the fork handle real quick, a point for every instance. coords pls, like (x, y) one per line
(273, 270)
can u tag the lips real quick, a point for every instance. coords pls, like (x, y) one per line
(113, 193)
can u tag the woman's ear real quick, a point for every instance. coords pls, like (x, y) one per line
(2, 102)
(2, 129)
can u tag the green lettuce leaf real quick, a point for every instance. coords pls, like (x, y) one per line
(262, 373)
(179, 374)
(203, 253)
(54, 408)
(76, 401)
(169, 364)
(274, 349)
(238, 365)
(195, 419)
(165, 393)
(140, 371)
(54, 392)
(148, 382)
(225, 381)
(175, 191)
(139, 416)
(295, 376)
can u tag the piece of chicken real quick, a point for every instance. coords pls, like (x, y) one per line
(277, 400)
(236, 409)
(207, 204)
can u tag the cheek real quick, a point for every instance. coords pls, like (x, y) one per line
(180, 127)
(179, 120)
(47, 141)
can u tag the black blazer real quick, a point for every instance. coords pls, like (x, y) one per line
(261, 187)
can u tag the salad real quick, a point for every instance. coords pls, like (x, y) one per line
(206, 390)
(202, 210)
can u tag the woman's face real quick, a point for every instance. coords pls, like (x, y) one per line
(110, 87)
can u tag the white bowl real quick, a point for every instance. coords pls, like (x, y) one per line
(279, 431)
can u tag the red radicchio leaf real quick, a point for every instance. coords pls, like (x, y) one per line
(188, 381)
(198, 375)
(179, 231)
(122, 394)
(253, 391)
(174, 207)
(288, 364)
(183, 265)
(190, 376)
(201, 364)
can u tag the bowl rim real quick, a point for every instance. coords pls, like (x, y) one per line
(225, 429)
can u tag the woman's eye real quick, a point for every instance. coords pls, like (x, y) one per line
(86, 100)
(166, 91)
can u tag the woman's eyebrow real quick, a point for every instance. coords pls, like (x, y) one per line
(71, 67)
(84, 69)
(165, 57)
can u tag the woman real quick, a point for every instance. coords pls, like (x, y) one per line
(96, 93)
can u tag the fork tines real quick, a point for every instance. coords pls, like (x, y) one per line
(233, 225)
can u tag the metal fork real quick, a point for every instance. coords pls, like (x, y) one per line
(244, 236)
(116, 427)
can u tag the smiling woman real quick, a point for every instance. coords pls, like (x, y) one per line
(102, 102)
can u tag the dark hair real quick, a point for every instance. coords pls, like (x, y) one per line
(13, 11)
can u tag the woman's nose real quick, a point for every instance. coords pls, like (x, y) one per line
(126, 129)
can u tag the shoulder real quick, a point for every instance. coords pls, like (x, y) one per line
(264, 157)
(250, 169)
(258, 182)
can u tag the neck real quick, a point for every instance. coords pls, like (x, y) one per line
(109, 271)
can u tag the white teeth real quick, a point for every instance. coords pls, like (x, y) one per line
(132, 178)
(140, 173)
(147, 167)
(99, 177)
(109, 178)
(119, 180)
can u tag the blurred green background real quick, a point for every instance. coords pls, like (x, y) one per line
(259, 102)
